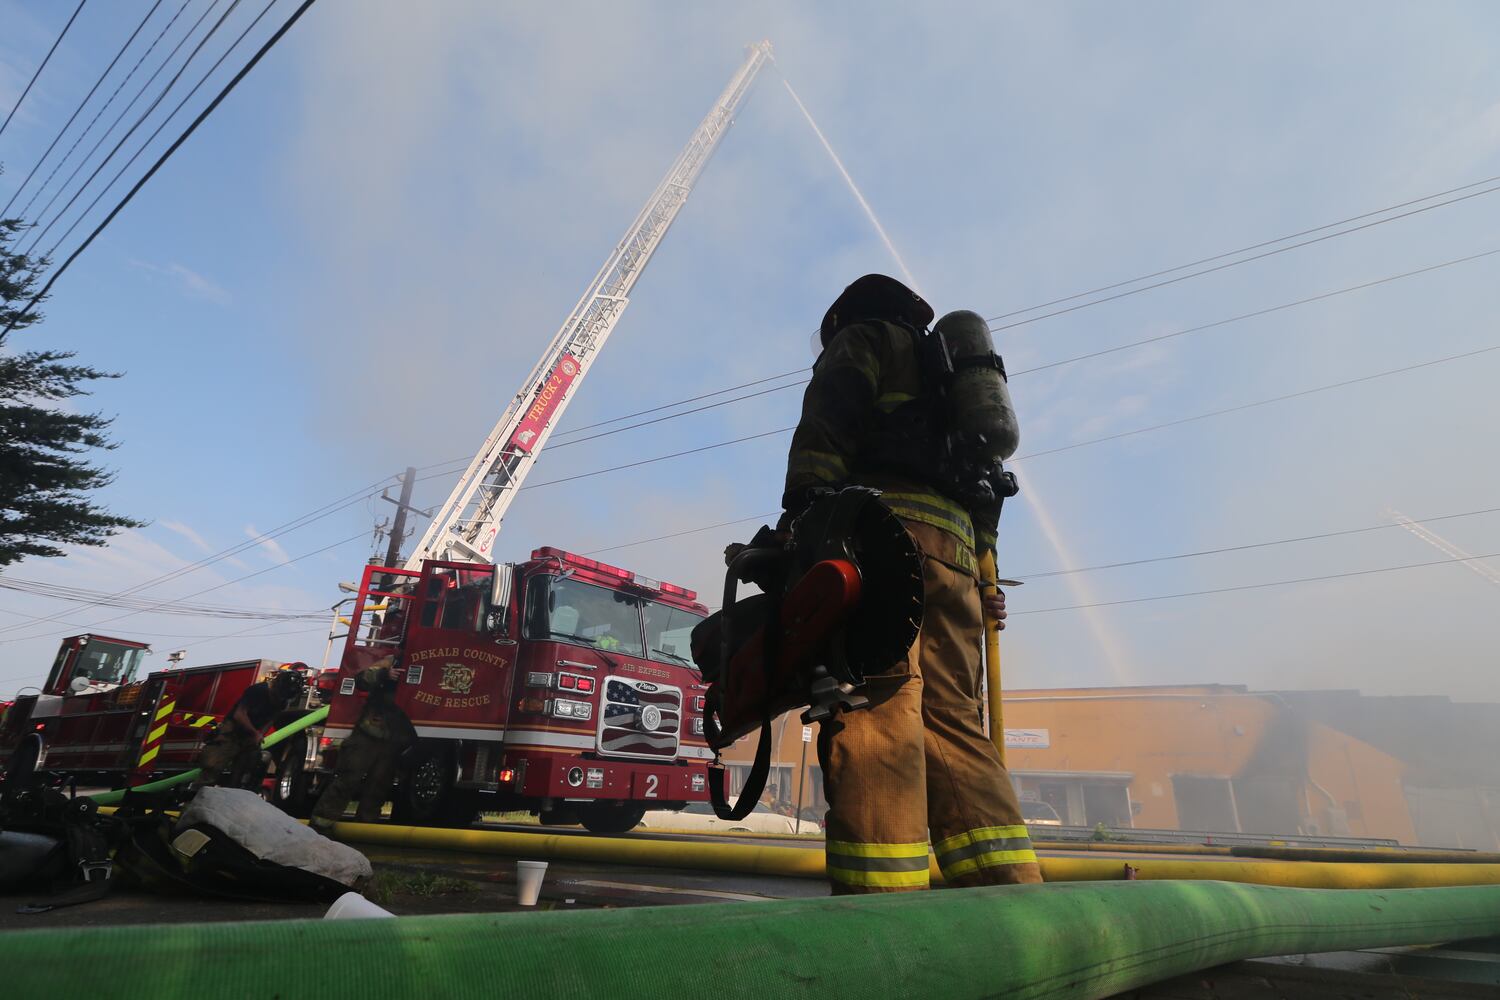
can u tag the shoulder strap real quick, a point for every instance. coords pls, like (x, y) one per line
(755, 781)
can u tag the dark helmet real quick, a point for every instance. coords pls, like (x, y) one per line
(875, 296)
(289, 681)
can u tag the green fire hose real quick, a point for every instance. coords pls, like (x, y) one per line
(1073, 941)
(286, 732)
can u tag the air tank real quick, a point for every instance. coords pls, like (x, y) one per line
(979, 410)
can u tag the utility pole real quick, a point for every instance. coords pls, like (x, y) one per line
(398, 529)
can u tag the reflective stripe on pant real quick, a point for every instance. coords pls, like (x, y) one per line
(884, 866)
(918, 760)
(986, 847)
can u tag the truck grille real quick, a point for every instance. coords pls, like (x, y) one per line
(640, 719)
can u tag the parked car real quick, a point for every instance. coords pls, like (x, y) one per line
(700, 816)
(1038, 813)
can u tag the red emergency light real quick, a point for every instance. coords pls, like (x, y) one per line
(507, 775)
(605, 569)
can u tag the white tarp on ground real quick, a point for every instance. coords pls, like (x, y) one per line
(271, 835)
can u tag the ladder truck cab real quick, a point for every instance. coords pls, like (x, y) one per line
(560, 686)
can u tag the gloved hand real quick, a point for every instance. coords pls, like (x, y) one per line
(994, 607)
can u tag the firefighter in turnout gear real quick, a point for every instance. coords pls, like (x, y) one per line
(235, 742)
(367, 759)
(917, 762)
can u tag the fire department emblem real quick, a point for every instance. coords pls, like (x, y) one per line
(457, 678)
(569, 369)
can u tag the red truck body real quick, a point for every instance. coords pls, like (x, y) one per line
(95, 722)
(566, 690)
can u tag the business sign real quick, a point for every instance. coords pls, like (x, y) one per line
(1027, 739)
(553, 390)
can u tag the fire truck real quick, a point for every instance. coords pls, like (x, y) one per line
(558, 685)
(94, 722)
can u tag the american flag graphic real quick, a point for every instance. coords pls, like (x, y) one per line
(640, 719)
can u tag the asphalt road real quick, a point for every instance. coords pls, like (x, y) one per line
(410, 882)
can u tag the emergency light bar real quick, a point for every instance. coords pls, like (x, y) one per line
(623, 575)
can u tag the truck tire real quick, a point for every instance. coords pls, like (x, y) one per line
(600, 817)
(289, 790)
(426, 796)
(20, 770)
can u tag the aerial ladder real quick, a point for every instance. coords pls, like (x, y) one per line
(464, 529)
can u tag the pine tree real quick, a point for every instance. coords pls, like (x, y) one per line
(45, 481)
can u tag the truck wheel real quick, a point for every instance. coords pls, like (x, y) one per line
(597, 817)
(426, 796)
(20, 770)
(289, 790)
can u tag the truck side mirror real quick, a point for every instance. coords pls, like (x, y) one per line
(500, 592)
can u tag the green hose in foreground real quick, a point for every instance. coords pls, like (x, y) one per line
(286, 732)
(1076, 941)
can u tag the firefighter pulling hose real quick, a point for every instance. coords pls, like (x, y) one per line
(924, 418)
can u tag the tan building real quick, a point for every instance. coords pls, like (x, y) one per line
(1220, 758)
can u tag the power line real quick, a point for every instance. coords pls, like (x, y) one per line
(76, 111)
(43, 66)
(1024, 371)
(1252, 545)
(104, 136)
(164, 122)
(690, 399)
(1236, 263)
(1247, 249)
(99, 598)
(317, 514)
(679, 534)
(228, 88)
(1049, 451)
(100, 113)
(658, 458)
(1255, 314)
(1253, 586)
(1260, 402)
(196, 593)
(41, 233)
(1110, 287)
(686, 413)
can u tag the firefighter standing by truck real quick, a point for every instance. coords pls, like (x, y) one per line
(368, 758)
(876, 413)
(235, 743)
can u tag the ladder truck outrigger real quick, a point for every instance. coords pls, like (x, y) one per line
(559, 685)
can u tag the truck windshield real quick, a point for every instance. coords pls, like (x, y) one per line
(107, 663)
(667, 632)
(560, 608)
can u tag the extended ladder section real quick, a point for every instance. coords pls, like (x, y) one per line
(465, 528)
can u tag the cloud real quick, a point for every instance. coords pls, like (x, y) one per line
(189, 281)
(270, 546)
(198, 541)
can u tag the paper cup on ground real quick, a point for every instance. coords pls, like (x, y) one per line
(529, 876)
(353, 906)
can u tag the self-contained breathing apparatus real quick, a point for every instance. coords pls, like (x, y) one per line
(842, 591)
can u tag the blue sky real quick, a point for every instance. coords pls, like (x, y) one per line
(353, 263)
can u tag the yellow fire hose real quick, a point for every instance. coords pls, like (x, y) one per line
(799, 862)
